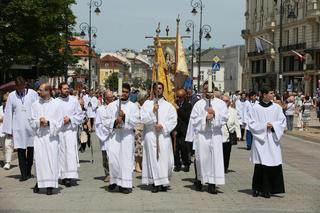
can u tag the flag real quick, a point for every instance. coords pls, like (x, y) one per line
(162, 72)
(181, 72)
(259, 45)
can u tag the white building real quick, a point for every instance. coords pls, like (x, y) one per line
(300, 34)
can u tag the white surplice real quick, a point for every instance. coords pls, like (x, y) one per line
(68, 150)
(157, 172)
(240, 107)
(266, 147)
(16, 118)
(102, 132)
(46, 141)
(247, 108)
(91, 105)
(120, 145)
(208, 139)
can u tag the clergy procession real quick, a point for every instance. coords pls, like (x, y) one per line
(48, 131)
(159, 106)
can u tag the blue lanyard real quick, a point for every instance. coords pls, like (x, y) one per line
(22, 96)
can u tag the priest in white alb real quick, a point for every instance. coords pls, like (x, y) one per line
(16, 124)
(73, 116)
(157, 160)
(46, 121)
(207, 118)
(121, 118)
(267, 123)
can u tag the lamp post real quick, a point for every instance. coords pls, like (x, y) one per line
(92, 31)
(190, 28)
(203, 29)
(291, 15)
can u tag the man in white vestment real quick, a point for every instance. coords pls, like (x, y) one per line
(267, 123)
(120, 120)
(102, 132)
(46, 121)
(73, 116)
(240, 103)
(91, 105)
(247, 107)
(16, 124)
(207, 117)
(157, 160)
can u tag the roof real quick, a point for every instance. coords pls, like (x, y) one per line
(80, 48)
(208, 54)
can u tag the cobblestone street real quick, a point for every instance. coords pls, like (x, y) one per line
(302, 180)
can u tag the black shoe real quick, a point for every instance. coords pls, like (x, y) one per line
(255, 193)
(248, 147)
(198, 186)
(226, 171)
(23, 178)
(177, 169)
(186, 169)
(155, 189)
(266, 195)
(36, 189)
(49, 191)
(163, 188)
(125, 190)
(112, 187)
(67, 182)
(212, 189)
(63, 182)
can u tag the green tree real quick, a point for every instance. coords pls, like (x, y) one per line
(112, 81)
(35, 32)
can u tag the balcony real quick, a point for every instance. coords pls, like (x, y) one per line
(299, 46)
(245, 33)
(313, 66)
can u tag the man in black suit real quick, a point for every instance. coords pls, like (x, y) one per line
(182, 148)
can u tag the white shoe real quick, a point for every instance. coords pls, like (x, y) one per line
(7, 166)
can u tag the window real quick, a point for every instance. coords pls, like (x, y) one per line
(287, 37)
(296, 34)
(317, 32)
(201, 75)
(303, 36)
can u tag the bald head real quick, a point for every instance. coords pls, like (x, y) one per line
(181, 96)
(45, 91)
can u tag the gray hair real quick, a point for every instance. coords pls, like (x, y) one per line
(142, 96)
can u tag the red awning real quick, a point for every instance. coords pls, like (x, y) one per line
(8, 86)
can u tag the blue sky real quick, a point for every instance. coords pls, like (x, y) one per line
(125, 23)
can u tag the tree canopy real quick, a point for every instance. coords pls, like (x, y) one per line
(34, 32)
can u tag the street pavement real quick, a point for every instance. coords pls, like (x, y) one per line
(301, 174)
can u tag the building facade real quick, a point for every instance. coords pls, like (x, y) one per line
(300, 55)
(233, 67)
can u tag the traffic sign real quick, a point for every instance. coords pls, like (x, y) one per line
(216, 59)
(215, 66)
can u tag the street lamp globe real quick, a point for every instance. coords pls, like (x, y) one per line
(208, 36)
(82, 34)
(194, 11)
(97, 11)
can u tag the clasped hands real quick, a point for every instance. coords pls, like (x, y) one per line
(120, 117)
(211, 113)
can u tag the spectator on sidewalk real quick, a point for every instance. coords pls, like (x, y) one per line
(289, 111)
(5, 140)
(307, 105)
